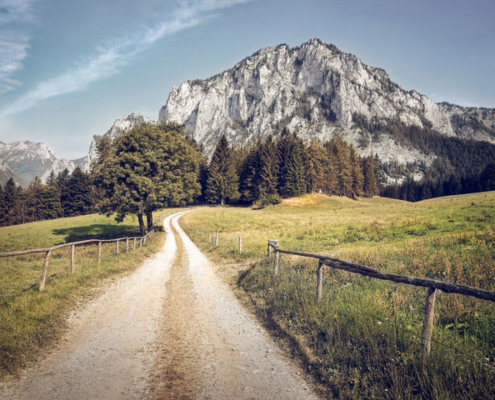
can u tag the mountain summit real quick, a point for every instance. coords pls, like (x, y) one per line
(317, 91)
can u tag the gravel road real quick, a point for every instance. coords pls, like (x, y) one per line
(170, 330)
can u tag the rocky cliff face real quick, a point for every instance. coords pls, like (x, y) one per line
(317, 91)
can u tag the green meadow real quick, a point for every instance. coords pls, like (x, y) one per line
(30, 320)
(363, 339)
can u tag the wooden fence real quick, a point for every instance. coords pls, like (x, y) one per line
(430, 284)
(48, 251)
(214, 238)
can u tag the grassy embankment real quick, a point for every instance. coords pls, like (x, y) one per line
(363, 339)
(29, 319)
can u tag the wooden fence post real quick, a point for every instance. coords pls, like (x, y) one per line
(118, 248)
(99, 252)
(240, 244)
(141, 242)
(428, 323)
(44, 274)
(209, 238)
(216, 240)
(144, 240)
(276, 261)
(72, 258)
(127, 245)
(319, 281)
(134, 245)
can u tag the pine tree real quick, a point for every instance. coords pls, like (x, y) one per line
(33, 200)
(344, 167)
(293, 173)
(316, 167)
(62, 179)
(3, 208)
(370, 184)
(76, 194)
(284, 143)
(381, 180)
(223, 182)
(249, 175)
(52, 179)
(12, 203)
(269, 167)
(331, 170)
(487, 178)
(357, 173)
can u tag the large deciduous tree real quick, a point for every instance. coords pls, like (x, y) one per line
(147, 168)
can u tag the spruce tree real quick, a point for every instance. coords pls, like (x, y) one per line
(293, 174)
(12, 203)
(381, 180)
(3, 208)
(357, 173)
(269, 167)
(316, 167)
(249, 175)
(331, 171)
(76, 194)
(370, 184)
(344, 166)
(223, 182)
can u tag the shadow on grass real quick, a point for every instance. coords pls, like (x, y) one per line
(96, 231)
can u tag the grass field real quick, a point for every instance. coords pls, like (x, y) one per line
(363, 339)
(30, 320)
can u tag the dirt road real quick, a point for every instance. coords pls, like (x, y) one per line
(170, 330)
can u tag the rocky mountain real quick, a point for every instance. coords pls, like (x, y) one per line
(314, 90)
(119, 127)
(24, 160)
(318, 91)
(57, 167)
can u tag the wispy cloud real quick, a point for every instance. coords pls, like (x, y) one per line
(14, 41)
(110, 59)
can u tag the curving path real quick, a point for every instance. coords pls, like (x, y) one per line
(169, 330)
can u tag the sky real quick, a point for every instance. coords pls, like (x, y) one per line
(69, 69)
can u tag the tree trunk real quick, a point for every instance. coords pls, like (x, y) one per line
(222, 202)
(149, 220)
(142, 231)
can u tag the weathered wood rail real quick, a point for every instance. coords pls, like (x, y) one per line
(48, 252)
(432, 285)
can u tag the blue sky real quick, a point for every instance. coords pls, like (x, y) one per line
(69, 68)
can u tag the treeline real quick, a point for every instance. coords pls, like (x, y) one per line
(286, 167)
(416, 191)
(63, 195)
(152, 167)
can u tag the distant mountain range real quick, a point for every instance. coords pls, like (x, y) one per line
(314, 90)
(23, 161)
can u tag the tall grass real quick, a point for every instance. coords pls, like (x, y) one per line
(364, 336)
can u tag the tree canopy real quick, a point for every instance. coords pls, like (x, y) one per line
(147, 168)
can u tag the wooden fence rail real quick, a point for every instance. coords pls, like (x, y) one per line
(431, 285)
(48, 252)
